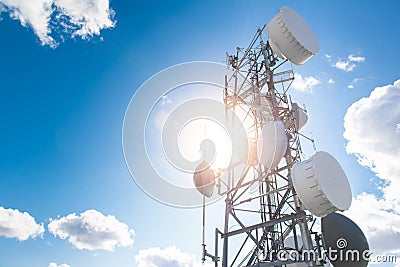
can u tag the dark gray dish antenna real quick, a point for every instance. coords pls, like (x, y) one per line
(343, 235)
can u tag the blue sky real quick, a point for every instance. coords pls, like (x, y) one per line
(62, 110)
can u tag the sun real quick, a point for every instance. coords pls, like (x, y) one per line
(205, 139)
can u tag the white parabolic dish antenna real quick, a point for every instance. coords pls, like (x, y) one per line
(300, 115)
(204, 179)
(273, 144)
(291, 38)
(321, 184)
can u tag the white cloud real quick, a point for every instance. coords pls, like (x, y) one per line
(35, 13)
(353, 83)
(20, 225)
(87, 17)
(305, 84)
(53, 264)
(371, 126)
(92, 230)
(328, 57)
(349, 64)
(331, 81)
(344, 65)
(378, 221)
(371, 130)
(83, 18)
(353, 58)
(168, 257)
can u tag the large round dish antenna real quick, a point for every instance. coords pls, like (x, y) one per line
(291, 38)
(321, 184)
(204, 179)
(343, 235)
(300, 116)
(273, 144)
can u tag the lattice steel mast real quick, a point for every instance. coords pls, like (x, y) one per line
(254, 84)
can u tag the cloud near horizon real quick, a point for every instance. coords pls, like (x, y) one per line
(92, 230)
(55, 19)
(19, 225)
(53, 264)
(168, 257)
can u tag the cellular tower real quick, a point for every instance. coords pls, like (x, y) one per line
(274, 196)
